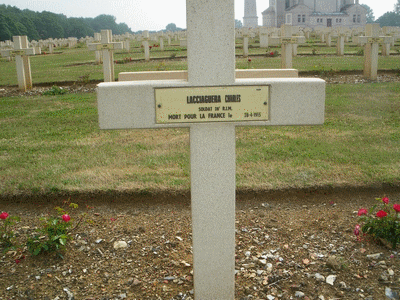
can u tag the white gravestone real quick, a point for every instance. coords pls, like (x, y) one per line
(211, 103)
(107, 47)
(98, 54)
(371, 52)
(288, 42)
(145, 44)
(21, 52)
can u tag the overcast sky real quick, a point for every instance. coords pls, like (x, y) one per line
(150, 14)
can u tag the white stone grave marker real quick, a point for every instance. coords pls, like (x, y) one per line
(107, 47)
(21, 52)
(146, 46)
(288, 41)
(211, 103)
(371, 52)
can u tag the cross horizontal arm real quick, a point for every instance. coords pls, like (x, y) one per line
(292, 101)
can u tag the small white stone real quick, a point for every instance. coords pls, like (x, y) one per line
(319, 277)
(299, 294)
(120, 245)
(375, 256)
(331, 279)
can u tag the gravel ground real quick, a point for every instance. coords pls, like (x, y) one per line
(289, 245)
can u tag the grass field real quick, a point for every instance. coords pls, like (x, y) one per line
(72, 64)
(53, 144)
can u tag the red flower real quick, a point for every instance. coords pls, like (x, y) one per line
(362, 211)
(3, 215)
(396, 207)
(357, 230)
(272, 53)
(66, 218)
(385, 200)
(249, 60)
(381, 214)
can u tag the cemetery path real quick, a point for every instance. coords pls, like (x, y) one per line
(329, 77)
(288, 243)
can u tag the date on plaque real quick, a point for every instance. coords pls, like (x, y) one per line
(212, 104)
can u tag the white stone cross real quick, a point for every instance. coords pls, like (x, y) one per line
(212, 103)
(21, 52)
(341, 33)
(371, 52)
(145, 43)
(288, 42)
(107, 47)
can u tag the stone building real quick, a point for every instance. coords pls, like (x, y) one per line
(250, 19)
(315, 13)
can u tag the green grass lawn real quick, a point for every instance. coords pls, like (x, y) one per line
(71, 64)
(53, 143)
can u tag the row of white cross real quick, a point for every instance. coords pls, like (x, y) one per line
(104, 50)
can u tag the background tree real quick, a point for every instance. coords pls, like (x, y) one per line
(389, 19)
(44, 25)
(171, 27)
(397, 7)
(5, 32)
(238, 24)
(370, 13)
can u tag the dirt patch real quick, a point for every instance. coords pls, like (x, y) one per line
(288, 243)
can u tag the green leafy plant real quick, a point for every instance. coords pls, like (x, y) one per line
(6, 234)
(360, 52)
(55, 90)
(53, 233)
(314, 51)
(172, 56)
(382, 222)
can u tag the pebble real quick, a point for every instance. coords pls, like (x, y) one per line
(120, 245)
(169, 278)
(333, 263)
(299, 294)
(331, 279)
(69, 293)
(390, 294)
(319, 277)
(375, 256)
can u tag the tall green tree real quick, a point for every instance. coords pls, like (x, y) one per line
(171, 27)
(44, 25)
(370, 13)
(5, 32)
(397, 7)
(389, 19)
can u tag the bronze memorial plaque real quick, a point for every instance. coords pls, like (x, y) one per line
(212, 104)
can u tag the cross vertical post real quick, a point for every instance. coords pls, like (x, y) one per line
(211, 61)
(107, 47)
(287, 51)
(145, 43)
(108, 56)
(22, 61)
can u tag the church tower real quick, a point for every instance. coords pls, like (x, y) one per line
(250, 18)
